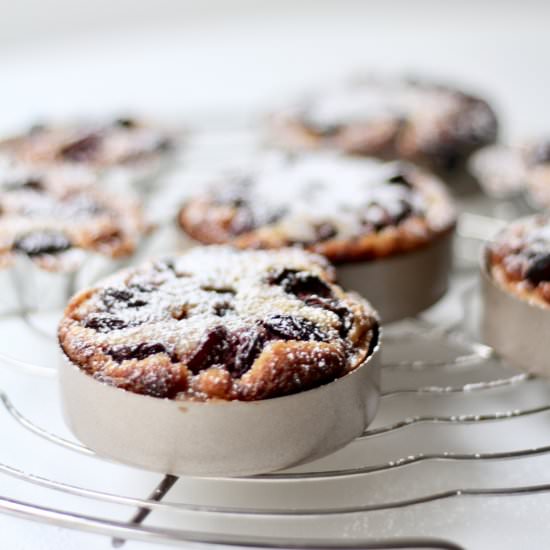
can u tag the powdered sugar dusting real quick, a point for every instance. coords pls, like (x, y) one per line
(296, 196)
(375, 99)
(200, 280)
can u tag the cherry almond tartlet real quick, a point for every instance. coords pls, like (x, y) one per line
(516, 294)
(219, 362)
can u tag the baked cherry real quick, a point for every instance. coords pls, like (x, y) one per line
(405, 211)
(400, 179)
(538, 269)
(82, 149)
(288, 327)
(138, 351)
(31, 184)
(344, 313)
(250, 343)
(125, 122)
(218, 289)
(115, 297)
(210, 350)
(103, 323)
(42, 242)
(301, 283)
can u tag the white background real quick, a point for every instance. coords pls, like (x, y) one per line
(64, 56)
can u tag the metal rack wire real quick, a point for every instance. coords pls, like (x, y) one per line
(141, 512)
(133, 528)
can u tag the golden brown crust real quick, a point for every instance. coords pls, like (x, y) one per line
(377, 221)
(257, 325)
(275, 373)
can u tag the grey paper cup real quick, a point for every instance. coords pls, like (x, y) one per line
(219, 438)
(404, 285)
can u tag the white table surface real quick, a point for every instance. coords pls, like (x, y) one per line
(61, 58)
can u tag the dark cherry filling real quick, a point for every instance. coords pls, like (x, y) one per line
(538, 269)
(405, 212)
(236, 196)
(325, 231)
(102, 323)
(41, 243)
(344, 313)
(377, 217)
(250, 343)
(81, 150)
(32, 184)
(138, 351)
(210, 350)
(287, 327)
(234, 351)
(125, 122)
(114, 297)
(218, 289)
(400, 179)
(301, 283)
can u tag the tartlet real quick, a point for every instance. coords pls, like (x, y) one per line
(55, 221)
(362, 214)
(519, 260)
(219, 362)
(430, 124)
(127, 146)
(507, 169)
(219, 323)
(515, 270)
(346, 209)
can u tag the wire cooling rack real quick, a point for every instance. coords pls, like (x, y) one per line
(447, 411)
